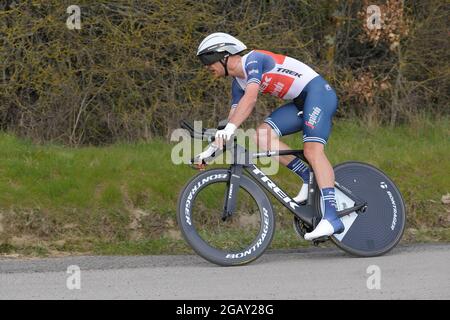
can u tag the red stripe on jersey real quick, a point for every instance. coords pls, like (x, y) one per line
(279, 58)
(276, 84)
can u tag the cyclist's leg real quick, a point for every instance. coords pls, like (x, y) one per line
(266, 138)
(268, 133)
(283, 121)
(320, 106)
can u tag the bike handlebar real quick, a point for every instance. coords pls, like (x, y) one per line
(208, 134)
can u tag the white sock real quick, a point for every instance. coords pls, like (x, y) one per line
(303, 194)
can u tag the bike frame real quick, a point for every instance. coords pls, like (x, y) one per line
(307, 213)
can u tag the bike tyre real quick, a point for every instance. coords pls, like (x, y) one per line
(377, 230)
(221, 257)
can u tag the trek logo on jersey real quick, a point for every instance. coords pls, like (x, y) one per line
(292, 73)
(314, 118)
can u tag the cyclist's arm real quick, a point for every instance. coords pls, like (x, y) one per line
(231, 113)
(245, 105)
(236, 94)
(244, 102)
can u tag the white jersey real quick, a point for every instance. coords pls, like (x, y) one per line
(276, 74)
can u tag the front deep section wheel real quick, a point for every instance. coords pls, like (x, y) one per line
(380, 227)
(239, 239)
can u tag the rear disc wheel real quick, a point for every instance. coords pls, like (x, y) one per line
(378, 229)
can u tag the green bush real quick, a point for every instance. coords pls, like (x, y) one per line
(131, 72)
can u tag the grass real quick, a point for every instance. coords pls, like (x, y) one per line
(121, 199)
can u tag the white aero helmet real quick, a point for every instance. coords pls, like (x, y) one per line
(217, 46)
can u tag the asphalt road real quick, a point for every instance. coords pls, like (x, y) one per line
(407, 272)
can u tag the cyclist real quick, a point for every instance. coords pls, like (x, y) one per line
(312, 104)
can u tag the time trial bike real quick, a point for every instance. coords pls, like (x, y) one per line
(227, 218)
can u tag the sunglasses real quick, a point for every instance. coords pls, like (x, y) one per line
(211, 57)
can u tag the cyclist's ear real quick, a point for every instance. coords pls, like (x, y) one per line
(222, 124)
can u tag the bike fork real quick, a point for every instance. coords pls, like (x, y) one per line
(232, 191)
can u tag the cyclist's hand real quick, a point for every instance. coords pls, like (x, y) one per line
(225, 134)
(205, 154)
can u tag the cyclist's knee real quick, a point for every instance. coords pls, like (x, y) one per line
(313, 150)
(264, 134)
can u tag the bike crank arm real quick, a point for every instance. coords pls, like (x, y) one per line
(359, 208)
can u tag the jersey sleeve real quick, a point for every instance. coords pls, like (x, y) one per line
(236, 93)
(254, 66)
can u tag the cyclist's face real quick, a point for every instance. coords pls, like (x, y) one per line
(216, 69)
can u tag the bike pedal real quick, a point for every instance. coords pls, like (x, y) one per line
(319, 240)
